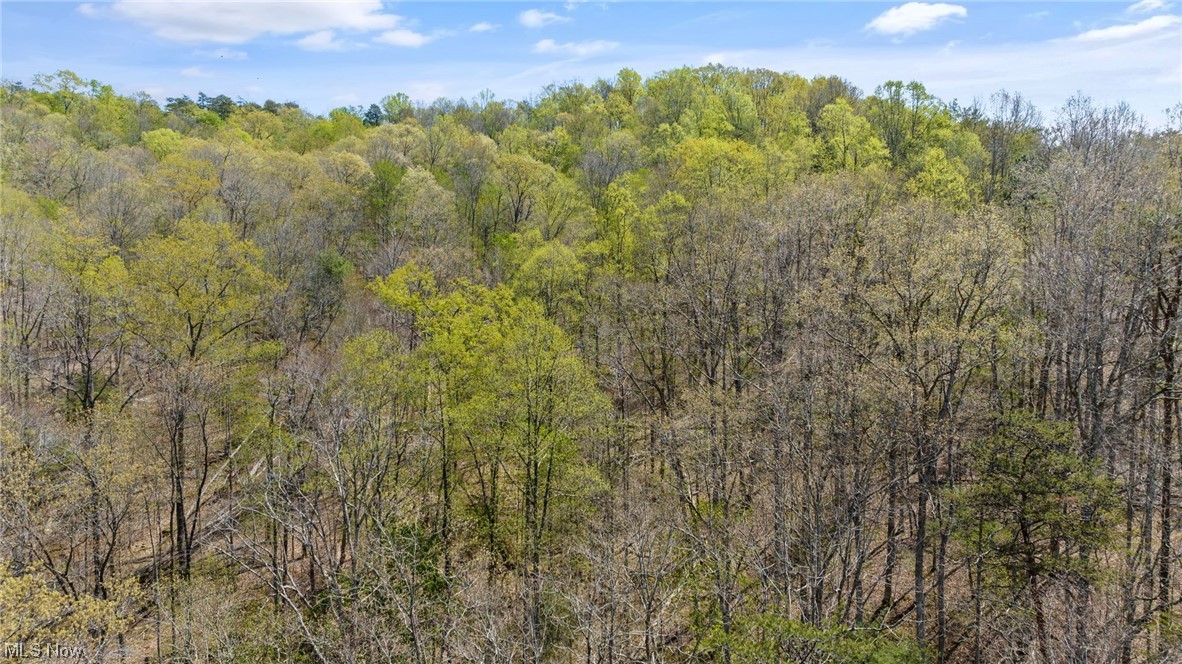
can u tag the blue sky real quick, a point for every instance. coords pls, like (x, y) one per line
(328, 54)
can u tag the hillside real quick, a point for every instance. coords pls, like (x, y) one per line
(720, 365)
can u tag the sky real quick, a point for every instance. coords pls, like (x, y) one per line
(329, 54)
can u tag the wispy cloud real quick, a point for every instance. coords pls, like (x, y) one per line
(240, 22)
(913, 17)
(324, 40)
(196, 72)
(577, 49)
(536, 18)
(87, 9)
(404, 37)
(483, 26)
(1149, 6)
(1148, 27)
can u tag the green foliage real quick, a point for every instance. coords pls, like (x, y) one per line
(406, 288)
(941, 180)
(693, 367)
(184, 182)
(90, 279)
(395, 107)
(161, 142)
(765, 638)
(849, 141)
(708, 167)
(61, 91)
(615, 230)
(515, 391)
(34, 611)
(553, 276)
(1036, 501)
(197, 293)
(372, 367)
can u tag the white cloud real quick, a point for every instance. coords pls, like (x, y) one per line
(578, 49)
(403, 37)
(324, 40)
(1149, 6)
(238, 22)
(535, 18)
(196, 72)
(87, 9)
(914, 17)
(1148, 27)
(483, 26)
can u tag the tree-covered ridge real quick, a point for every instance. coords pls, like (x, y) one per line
(719, 365)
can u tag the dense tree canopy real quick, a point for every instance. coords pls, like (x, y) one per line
(719, 365)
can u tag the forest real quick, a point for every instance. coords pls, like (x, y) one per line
(719, 365)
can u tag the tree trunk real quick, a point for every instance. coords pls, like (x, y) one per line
(181, 553)
(921, 526)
